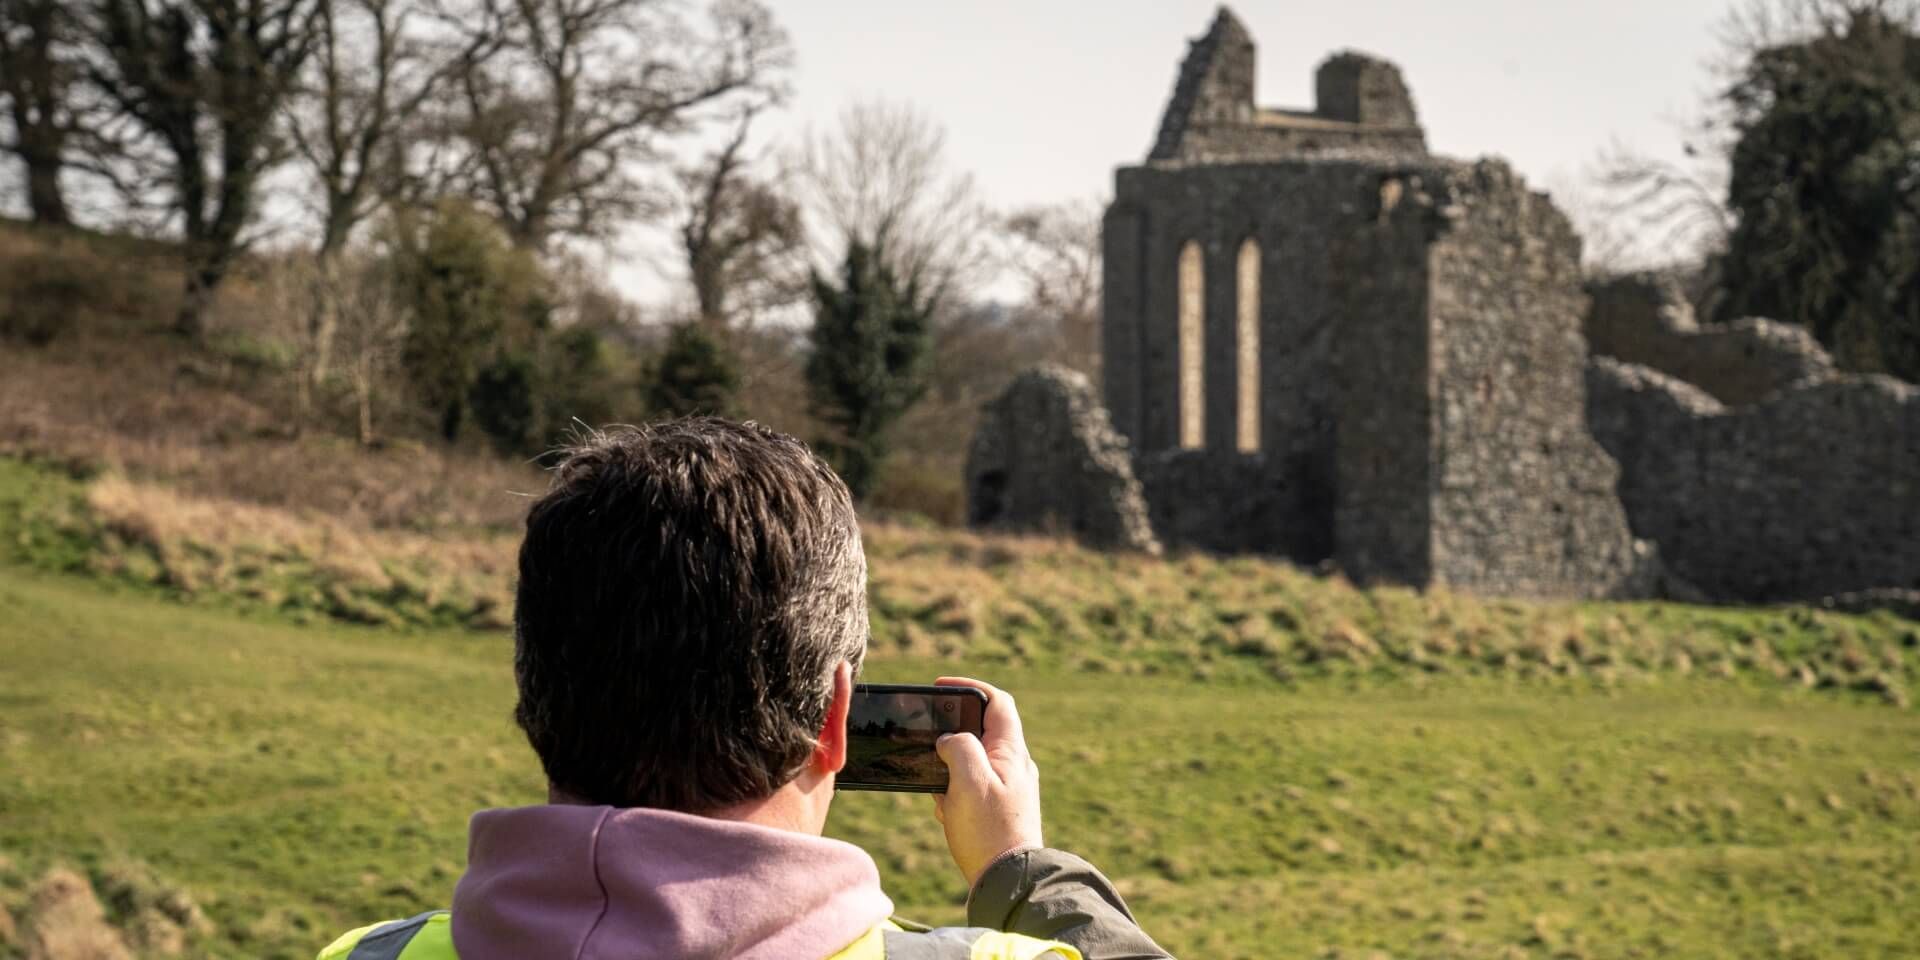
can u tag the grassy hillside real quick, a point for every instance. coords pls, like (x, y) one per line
(944, 594)
(295, 780)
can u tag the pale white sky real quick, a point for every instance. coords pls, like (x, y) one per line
(1043, 98)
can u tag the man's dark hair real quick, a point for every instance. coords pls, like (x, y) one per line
(686, 591)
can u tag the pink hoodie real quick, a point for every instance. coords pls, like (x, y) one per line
(601, 883)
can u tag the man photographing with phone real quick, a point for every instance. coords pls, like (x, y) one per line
(690, 618)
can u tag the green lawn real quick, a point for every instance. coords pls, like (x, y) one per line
(297, 780)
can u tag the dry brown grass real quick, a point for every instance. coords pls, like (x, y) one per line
(304, 560)
(123, 912)
(59, 282)
(942, 593)
(143, 405)
(66, 922)
(108, 388)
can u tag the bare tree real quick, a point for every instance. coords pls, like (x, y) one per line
(36, 78)
(881, 178)
(1646, 210)
(59, 123)
(561, 101)
(301, 309)
(207, 79)
(1055, 251)
(742, 239)
(369, 74)
(370, 331)
(365, 328)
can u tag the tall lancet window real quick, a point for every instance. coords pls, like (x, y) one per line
(1247, 349)
(1193, 347)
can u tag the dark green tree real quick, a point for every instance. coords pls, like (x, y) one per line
(472, 297)
(1825, 186)
(694, 373)
(527, 402)
(578, 382)
(868, 364)
(505, 400)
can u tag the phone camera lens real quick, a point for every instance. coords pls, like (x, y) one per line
(948, 706)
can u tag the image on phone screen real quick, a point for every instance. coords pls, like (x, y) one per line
(891, 731)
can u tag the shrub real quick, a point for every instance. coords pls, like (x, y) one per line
(505, 403)
(580, 381)
(473, 296)
(695, 373)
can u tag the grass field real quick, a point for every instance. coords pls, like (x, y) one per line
(297, 780)
(254, 679)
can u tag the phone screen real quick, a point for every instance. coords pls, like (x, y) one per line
(891, 730)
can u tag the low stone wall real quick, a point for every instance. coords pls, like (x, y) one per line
(1644, 318)
(1811, 492)
(1229, 502)
(1045, 459)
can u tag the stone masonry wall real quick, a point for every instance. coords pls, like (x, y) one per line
(1812, 491)
(1383, 377)
(1364, 107)
(1461, 444)
(1230, 502)
(1356, 88)
(1045, 459)
(1214, 86)
(1524, 501)
(1279, 135)
(1290, 210)
(1645, 318)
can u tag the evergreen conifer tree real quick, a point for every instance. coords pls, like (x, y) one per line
(870, 342)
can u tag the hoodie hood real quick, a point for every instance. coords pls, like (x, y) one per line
(606, 883)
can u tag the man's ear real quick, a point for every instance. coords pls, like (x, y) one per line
(831, 755)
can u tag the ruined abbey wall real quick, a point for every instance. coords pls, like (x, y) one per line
(1812, 491)
(1644, 318)
(1363, 108)
(1437, 398)
(1287, 212)
(1229, 502)
(1046, 459)
(1463, 457)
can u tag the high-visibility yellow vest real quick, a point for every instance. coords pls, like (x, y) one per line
(429, 936)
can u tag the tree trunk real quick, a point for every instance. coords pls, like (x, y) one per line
(191, 321)
(450, 418)
(324, 321)
(202, 281)
(44, 198)
(336, 227)
(363, 392)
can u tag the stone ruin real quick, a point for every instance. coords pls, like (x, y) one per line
(1644, 318)
(1045, 458)
(1323, 342)
(1761, 471)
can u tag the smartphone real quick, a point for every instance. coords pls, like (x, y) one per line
(891, 729)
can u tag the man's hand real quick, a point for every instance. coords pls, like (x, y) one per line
(992, 804)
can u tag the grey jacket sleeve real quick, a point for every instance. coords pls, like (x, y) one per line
(1054, 895)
